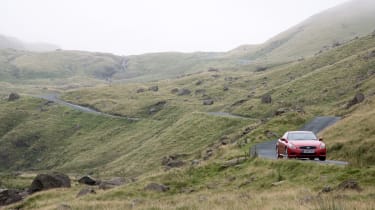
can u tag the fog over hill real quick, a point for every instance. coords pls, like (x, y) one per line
(7, 42)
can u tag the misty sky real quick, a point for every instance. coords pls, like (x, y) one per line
(138, 26)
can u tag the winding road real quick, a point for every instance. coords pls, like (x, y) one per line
(267, 149)
(55, 98)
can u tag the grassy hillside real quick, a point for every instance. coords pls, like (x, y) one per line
(320, 32)
(68, 69)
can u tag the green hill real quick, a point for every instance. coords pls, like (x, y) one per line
(319, 33)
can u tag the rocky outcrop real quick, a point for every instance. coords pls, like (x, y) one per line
(140, 90)
(156, 107)
(173, 161)
(88, 180)
(358, 98)
(9, 196)
(183, 92)
(114, 182)
(266, 99)
(154, 88)
(49, 181)
(13, 97)
(208, 102)
(157, 187)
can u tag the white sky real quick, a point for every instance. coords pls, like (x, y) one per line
(138, 26)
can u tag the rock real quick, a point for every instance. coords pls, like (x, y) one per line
(85, 191)
(87, 180)
(114, 182)
(224, 140)
(260, 68)
(9, 196)
(358, 98)
(172, 161)
(13, 97)
(280, 111)
(156, 107)
(157, 187)
(49, 181)
(350, 184)
(153, 88)
(187, 190)
(141, 90)
(225, 88)
(174, 90)
(208, 102)
(200, 91)
(183, 92)
(336, 44)
(326, 189)
(195, 162)
(266, 99)
(199, 82)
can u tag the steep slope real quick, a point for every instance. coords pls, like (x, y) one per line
(318, 33)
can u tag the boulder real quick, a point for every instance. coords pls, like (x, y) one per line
(157, 187)
(13, 97)
(199, 82)
(85, 191)
(172, 161)
(156, 107)
(141, 90)
(88, 180)
(9, 196)
(114, 182)
(153, 88)
(174, 90)
(350, 184)
(200, 92)
(183, 92)
(266, 99)
(208, 102)
(358, 98)
(49, 181)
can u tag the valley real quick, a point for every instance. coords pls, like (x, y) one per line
(175, 130)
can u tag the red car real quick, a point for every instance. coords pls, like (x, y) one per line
(301, 144)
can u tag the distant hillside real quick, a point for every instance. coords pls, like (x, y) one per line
(14, 43)
(320, 32)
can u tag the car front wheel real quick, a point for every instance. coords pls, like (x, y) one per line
(322, 158)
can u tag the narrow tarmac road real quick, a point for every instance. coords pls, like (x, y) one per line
(267, 149)
(54, 98)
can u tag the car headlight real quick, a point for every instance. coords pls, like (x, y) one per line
(291, 146)
(322, 146)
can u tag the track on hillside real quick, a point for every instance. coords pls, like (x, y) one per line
(267, 149)
(54, 98)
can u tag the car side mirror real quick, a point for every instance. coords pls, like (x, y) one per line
(321, 139)
(283, 139)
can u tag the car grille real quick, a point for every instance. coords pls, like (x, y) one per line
(308, 147)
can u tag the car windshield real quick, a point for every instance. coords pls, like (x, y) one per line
(301, 136)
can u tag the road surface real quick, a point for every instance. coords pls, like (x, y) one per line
(54, 98)
(267, 149)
